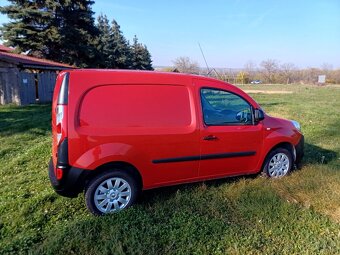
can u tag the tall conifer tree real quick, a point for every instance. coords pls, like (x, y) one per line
(140, 56)
(58, 30)
(120, 57)
(103, 42)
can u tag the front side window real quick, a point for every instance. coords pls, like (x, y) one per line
(224, 108)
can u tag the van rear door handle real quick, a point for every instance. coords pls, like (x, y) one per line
(210, 138)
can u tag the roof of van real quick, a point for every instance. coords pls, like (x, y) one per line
(132, 75)
(133, 71)
(140, 72)
(102, 76)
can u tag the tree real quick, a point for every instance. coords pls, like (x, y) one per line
(186, 65)
(103, 42)
(269, 69)
(327, 70)
(119, 48)
(140, 56)
(146, 57)
(113, 48)
(250, 69)
(62, 31)
(287, 71)
(242, 78)
(327, 67)
(335, 76)
(116, 52)
(310, 75)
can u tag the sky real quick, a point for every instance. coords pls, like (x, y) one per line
(231, 33)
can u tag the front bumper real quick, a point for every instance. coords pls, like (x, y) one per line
(299, 148)
(72, 182)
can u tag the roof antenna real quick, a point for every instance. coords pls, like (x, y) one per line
(206, 63)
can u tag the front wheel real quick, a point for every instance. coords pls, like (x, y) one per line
(110, 192)
(278, 163)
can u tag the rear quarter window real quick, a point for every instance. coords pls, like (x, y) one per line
(136, 106)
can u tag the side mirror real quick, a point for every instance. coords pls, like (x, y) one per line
(258, 115)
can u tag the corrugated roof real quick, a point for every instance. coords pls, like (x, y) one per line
(28, 60)
(4, 48)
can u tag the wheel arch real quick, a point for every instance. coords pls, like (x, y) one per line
(286, 145)
(124, 166)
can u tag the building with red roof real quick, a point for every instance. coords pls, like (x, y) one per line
(25, 79)
(4, 48)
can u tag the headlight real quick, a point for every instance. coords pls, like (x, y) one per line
(296, 125)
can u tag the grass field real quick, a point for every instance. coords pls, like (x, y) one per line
(299, 214)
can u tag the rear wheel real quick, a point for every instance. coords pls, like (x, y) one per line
(110, 192)
(278, 163)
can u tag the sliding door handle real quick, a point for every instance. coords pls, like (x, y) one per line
(210, 138)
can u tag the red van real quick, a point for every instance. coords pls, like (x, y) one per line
(116, 133)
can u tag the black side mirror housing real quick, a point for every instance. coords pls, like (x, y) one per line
(258, 115)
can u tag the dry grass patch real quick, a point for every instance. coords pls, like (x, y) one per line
(268, 91)
(315, 187)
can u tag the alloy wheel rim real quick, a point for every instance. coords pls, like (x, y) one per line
(112, 195)
(278, 165)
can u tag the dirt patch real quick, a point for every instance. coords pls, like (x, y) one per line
(333, 86)
(268, 92)
(335, 214)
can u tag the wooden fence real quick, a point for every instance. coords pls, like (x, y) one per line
(9, 90)
(27, 88)
(24, 88)
(46, 82)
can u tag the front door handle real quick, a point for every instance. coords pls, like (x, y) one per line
(210, 138)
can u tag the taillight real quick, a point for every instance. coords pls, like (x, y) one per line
(61, 110)
(61, 129)
(59, 173)
(60, 122)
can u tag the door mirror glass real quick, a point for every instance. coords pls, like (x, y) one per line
(258, 115)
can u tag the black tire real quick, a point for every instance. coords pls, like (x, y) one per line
(269, 170)
(111, 176)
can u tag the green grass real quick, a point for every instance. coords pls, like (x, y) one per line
(299, 214)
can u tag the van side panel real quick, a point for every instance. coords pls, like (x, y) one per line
(135, 106)
(135, 123)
